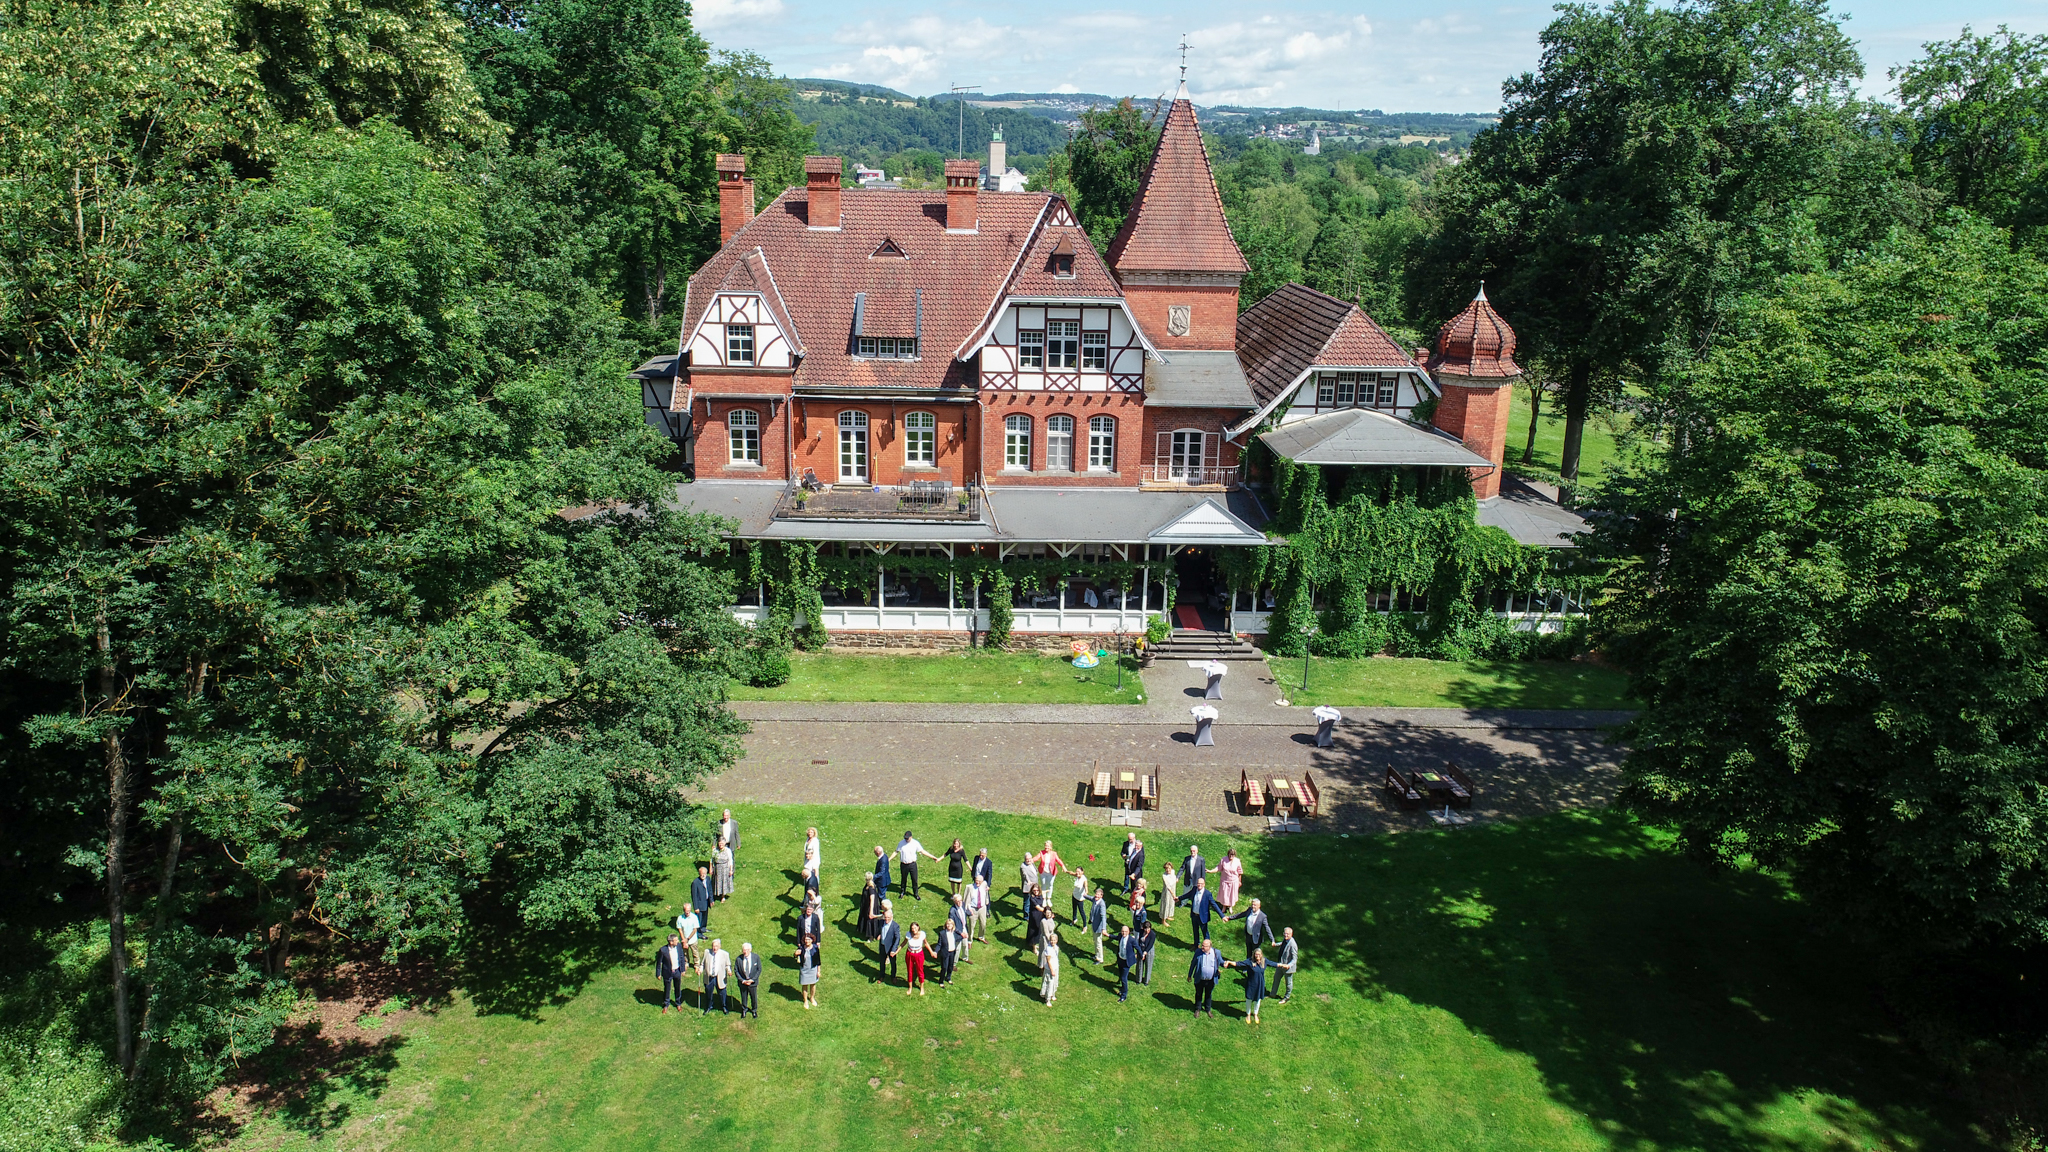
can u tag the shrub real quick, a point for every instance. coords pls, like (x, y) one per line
(1157, 629)
(771, 669)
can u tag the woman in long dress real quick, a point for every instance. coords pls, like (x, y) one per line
(870, 910)
(807, 966)
(1254, 982)
(721, 872)
(1168, 885)
(1232, 871)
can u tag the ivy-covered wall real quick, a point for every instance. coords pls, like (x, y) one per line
(1402, 532)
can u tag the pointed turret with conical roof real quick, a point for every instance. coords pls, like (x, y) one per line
(1475, 370)
(1175, 256)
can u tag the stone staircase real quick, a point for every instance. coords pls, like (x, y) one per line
(1197, 644)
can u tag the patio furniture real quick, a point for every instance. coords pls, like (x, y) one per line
(1216, 671)
(1126, 787)
(1098, 793)
(1148, 789)
(1254, 793)
(1281, 796)
(1310, 802)
(1326, 724)
(1205, 725)
(1462, 788)
(1436, 784)
(1400, 791)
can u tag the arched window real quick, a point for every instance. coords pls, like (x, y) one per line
(743, 436)
(853, 447)
(1102, 444)
(1059, 443)
(920, 438)
(1017, 442)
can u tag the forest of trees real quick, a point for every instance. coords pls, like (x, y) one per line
(916, 142)
(314, 322)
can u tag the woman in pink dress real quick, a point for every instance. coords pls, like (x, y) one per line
(1232, 871)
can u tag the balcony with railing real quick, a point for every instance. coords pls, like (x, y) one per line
(1169, 475)
(935, 501)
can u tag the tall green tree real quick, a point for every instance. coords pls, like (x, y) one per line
(1979, 109)
(1102, 166)
(1658, 159)
(1833, 591)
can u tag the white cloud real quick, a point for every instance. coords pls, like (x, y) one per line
(712, 13)
(1066, 88)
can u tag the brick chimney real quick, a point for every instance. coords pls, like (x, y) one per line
(963, 187)
(821, 174)
(735, 196)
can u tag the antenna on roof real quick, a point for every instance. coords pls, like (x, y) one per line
(1183, 58)
(960, 144)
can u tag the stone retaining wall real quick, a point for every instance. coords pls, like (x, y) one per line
(948, 641)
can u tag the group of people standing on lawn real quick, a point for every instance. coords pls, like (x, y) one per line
(923, 956)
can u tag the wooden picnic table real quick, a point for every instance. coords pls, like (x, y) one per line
(1099, 794)
(1127, 788)
(1282, 795)
(1436, 784)
(1254, 793)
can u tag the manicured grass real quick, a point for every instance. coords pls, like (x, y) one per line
(1394, 682)
(1566, 983)
(956, 678)
(1606, 432)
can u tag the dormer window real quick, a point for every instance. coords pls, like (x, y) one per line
(888, 248)
(1063, 258)
(739, 344)
(886, 347)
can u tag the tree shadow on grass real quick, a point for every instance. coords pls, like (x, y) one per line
(1671, 1006)
(513, 970)
(1571, 684)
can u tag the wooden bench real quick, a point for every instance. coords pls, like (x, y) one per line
(1099, 794)
(1310, 800)
(1400, 791)
(1462, 789)
(1254, 793)
(1148, 790)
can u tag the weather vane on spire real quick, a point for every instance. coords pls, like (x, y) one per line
(1183, 57)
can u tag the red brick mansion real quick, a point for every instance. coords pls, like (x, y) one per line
(921, 373)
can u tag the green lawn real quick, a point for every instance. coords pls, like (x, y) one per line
(956, 678)
(1605, 433)
(1394, 682)
(1565, 983)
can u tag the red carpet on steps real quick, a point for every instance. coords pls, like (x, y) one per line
(1189, 616)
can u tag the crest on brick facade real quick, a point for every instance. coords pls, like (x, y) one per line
(1178, 318)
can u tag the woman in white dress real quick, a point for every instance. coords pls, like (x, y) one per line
(1168, 885)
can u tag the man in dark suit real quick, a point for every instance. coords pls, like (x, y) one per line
(1098, 922)
(1134, 860)
(957, 917)
(881, 870)
(812, 923)
(1192, 870)
(1203, 969)
(1128, 952)
(746, 973)
(669, 965)
(700, 895)
(983, 868)
(1148, 948)
(949, 949)
(1034, 913)
(1201, 906)
(1255, 926)
(891, 943)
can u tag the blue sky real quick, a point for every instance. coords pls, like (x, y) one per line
(1445, 57)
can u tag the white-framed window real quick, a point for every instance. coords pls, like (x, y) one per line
(1094, 351)
(1031, 350)
(853, 447)
(920, 438)
(739, 343)
(1347, 389)
(1390, 384)
(1062, 343)
(743, 436)
(1059, 443)
(1017, 442)
(886, 347)
(1102, 444)
(1326, 390)
(1185, 462)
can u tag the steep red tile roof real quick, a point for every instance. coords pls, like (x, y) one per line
(750, 274)
(1476, 343)
(1035, 272)
(815, 275)
(1298, 327)
(1176, 223)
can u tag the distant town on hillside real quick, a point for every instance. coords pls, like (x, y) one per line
(881, 126)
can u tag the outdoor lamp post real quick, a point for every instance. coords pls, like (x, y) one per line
(1119, 657)
(1307, 630)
